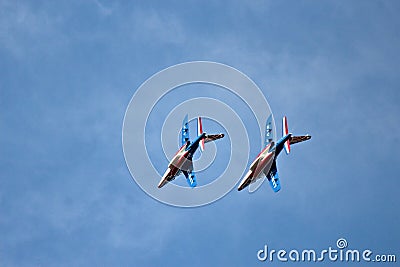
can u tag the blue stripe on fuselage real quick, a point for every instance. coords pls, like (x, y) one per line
(279, 145)
(195, 144)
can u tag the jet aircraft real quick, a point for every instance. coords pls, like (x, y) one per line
(265, 162)
(182, 161)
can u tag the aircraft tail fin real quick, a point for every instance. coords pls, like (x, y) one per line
(207, 137)
(200, 132)
(285, 131)
(292, 139)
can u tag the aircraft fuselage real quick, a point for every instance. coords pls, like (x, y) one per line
(181, 160)
(261, 164)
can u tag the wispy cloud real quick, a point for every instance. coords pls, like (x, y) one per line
(66, 195)
(103, 9)
(22, 27)
(151, 25)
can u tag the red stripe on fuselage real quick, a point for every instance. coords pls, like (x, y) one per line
(262, 151)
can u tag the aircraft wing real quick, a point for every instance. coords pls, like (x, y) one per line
(273, 178)
(269, 135)
(185, 131)
(212, 137)
(256, 183)
(298, 139)
(190, 178)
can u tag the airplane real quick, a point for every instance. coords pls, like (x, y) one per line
(265, 163)
(182, 161)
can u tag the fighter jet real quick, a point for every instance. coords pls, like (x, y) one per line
(265, 162)
(182, 161)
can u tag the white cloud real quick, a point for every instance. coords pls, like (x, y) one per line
(21, 27)
(103, 9)
(152, 26)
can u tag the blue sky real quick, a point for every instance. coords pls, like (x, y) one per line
(69, 69)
